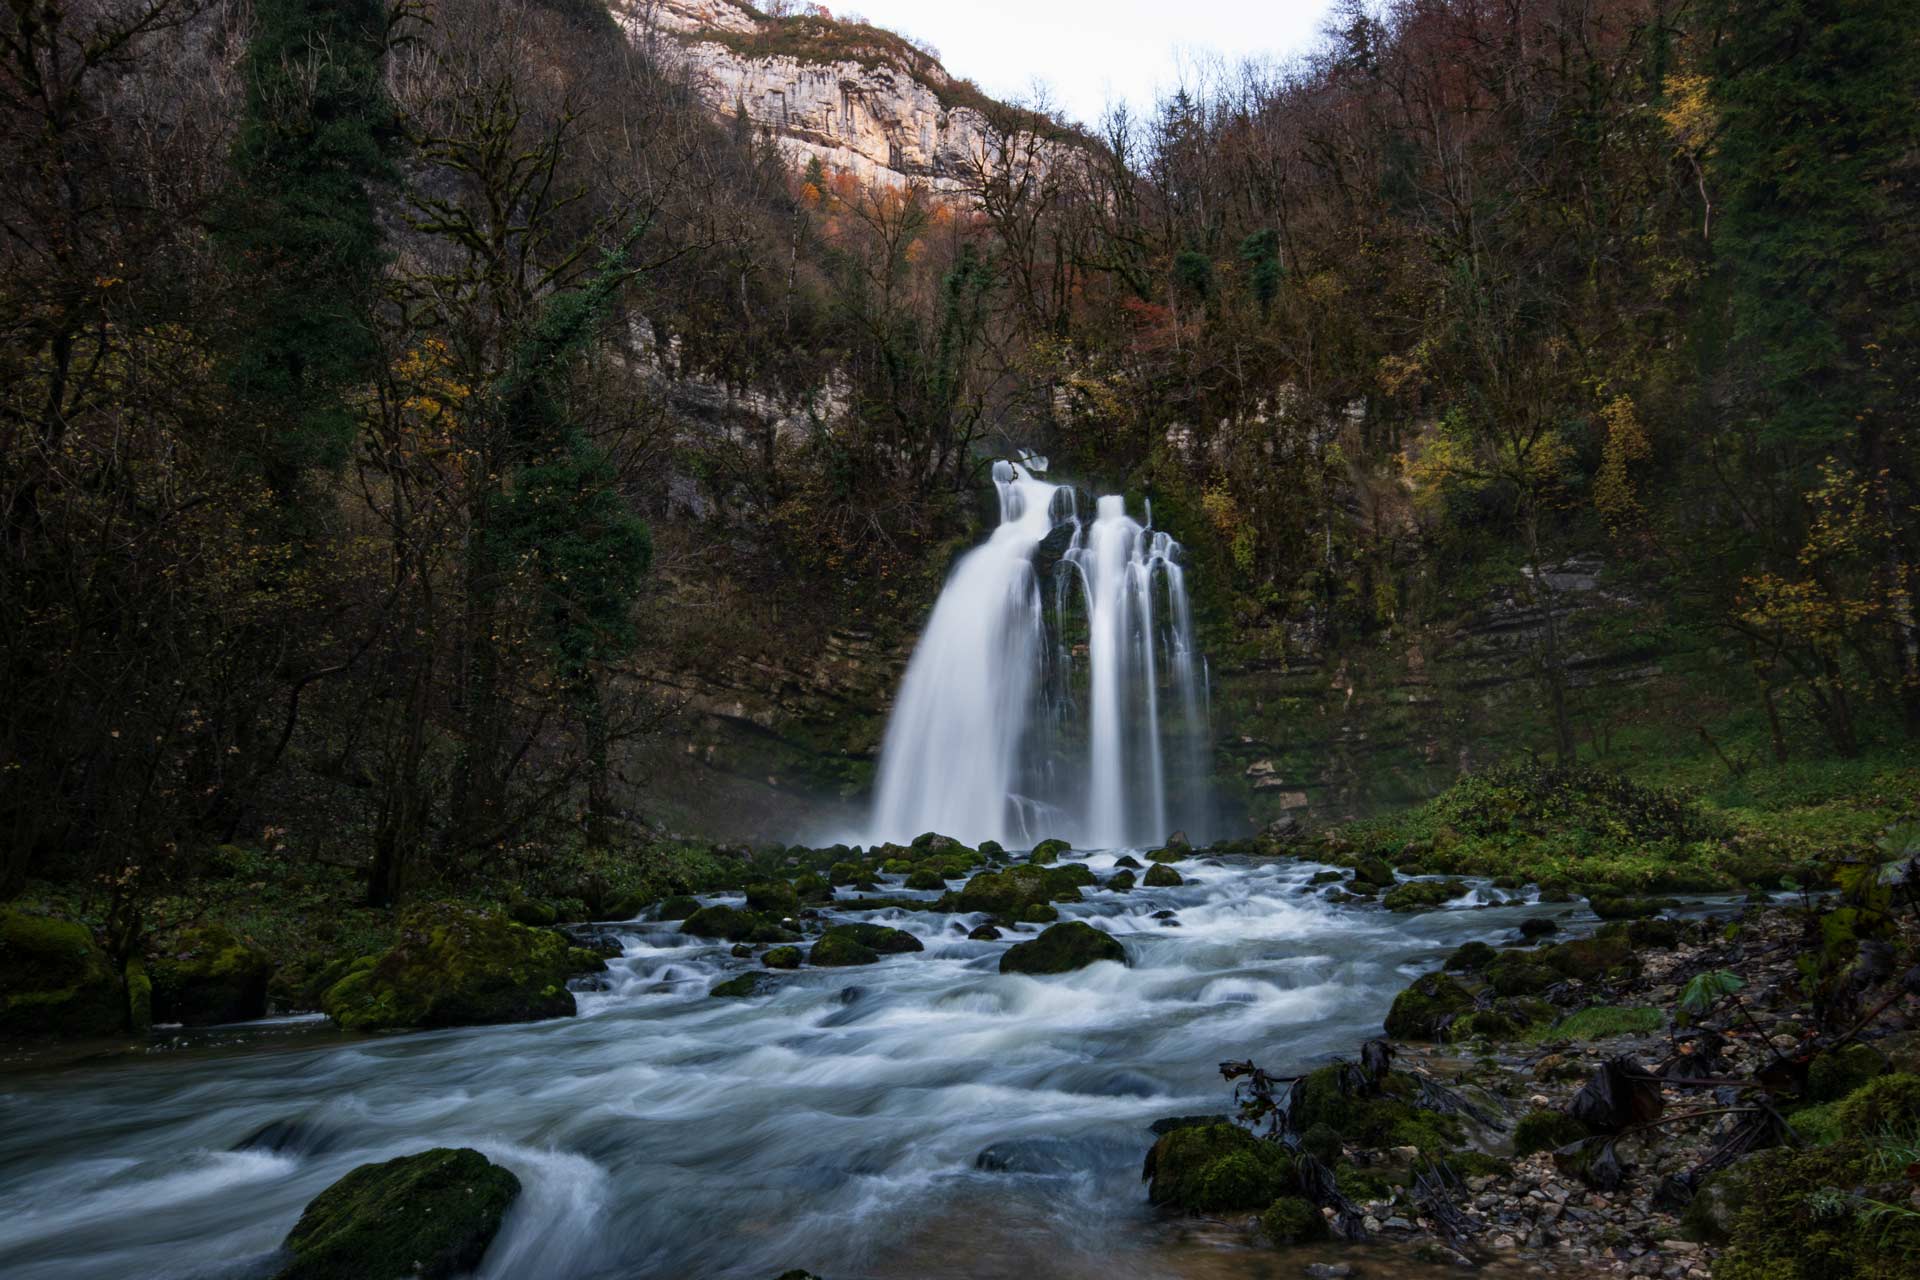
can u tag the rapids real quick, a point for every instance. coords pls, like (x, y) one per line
(923, 1117)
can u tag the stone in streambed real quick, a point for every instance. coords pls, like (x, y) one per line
(1047, 851)
(1291, 1220)
(455, 965)
(839, 950)
(1163, 877)
(1422, 895)
(880, 937)
(787, 957)
(1217, 1168)
(1426, 1009)
(747, 984)
(430, 1215)
(1062, 948)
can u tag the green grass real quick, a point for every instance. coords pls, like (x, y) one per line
(1601, 1021)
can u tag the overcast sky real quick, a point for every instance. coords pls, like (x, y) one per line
(1090, 51)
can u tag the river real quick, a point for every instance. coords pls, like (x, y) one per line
(923, 1117)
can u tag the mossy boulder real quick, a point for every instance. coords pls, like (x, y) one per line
(1039, 913)
(1292, 1220)
(1009, 891)
(1470, 957)
(430, 1215)
(1422, 895)
(839, 951)
(456, 965)
(746, 984)
(787, 957)
(880, 937)
(1543, 1130)
(1122, 881)
(1322, 1142)
(809, 887)
(1628, 908)
(56, 980)
(1169, 855)
(1387, 1116)
(1425, 1010)
(529, 912)
(1163, 877)
(1127, 862)
(208, 975)
(731, 924)
(678, 907)
(1063, 947)
(1070, 875)
(1520, 973)
(1047, 851)
(1887, 1104)
(1217, 1168)
(1591, 959)
(1373, 871)
(774, 898)
(926, 878)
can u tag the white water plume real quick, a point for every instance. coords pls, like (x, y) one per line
(992, 737)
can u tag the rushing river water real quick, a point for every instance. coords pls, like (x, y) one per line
(923, 1117)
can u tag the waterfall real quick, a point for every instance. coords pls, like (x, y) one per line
(991, 738)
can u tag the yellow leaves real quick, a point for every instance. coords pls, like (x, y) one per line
(1689, 113)
(1626, 442)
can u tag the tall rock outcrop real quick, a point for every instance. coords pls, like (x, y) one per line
(858, 98)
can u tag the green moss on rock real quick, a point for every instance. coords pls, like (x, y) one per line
(1163, 877)
(1121, 882)
(782, 958)
(1888, 1104)
(1543, 1130)
(55, 980)
(1425, 1010)
(1591, 959)
(208, 975)
(880, 937)
(1422, 895)
(926, 878)
(430, 1215)
(746, 984)
(1798, 1217)
(1386, 1118)
(1833, 1076)
(840, 950)
(1047, 851)
(1292, 1220)
(1063, 947)
(1217, 1168)
(457, 965)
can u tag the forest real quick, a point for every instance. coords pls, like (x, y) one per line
(356, 534)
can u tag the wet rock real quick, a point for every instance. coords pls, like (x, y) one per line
(1045, 1156)
(880, 937)
(1373, 871)
(776, 898)
(1537, 927)
(455, 965)
(985, 933)
(430, 1215)
(740, 951)
(1047, 851)
(1217, 1168)
(1163, 877)
(747, 984)
(1426, 1009)
(787, 957)
(1422, 895)
(1126, 862)
(1291, 1220)
(840, 950)
(290, 1137)
(1123, 881)
(1061, 948)
(1167, 1124)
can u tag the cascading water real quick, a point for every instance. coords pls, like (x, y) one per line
(986, 738)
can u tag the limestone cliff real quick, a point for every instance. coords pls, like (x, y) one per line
(858, 98)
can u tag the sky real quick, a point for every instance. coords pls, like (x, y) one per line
(1092, 51)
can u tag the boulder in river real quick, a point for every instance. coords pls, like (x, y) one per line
(787, 957)
(880, 937)
(1424, 1010)
(747, 984)
(1047, 851)
(430, 1215)
(456, 965)
(840, 950)
(1422, 895)
(1061, 948)
(1217, 1168)
(208, 975)
(1163, 877)
(55, 979)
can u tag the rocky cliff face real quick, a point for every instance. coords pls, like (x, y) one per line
(857, 98)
